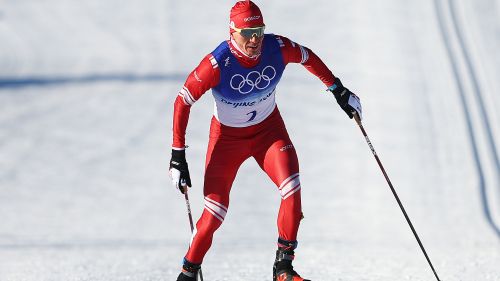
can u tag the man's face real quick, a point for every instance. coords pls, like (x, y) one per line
(251, 46)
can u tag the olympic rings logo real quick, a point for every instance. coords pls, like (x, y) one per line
(253, 80)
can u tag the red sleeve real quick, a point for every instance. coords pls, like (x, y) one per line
(295, 53)
(201, 79)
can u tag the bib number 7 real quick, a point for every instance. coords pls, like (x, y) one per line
(252, 115)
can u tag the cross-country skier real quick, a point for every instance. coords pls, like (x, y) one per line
(243, 73)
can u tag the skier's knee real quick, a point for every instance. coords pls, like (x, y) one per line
(290, 186)
(217, 209)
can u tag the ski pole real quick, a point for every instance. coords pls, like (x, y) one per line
(358, 121)
(190, 218)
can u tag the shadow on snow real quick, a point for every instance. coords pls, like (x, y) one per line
(29, 81)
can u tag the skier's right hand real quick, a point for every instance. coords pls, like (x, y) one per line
(347, 100)
(179, 172)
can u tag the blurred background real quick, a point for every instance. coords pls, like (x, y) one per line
(86, 99)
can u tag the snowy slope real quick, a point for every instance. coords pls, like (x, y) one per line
(86, 93)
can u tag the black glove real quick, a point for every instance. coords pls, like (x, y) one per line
(347, 100)
(179, 172)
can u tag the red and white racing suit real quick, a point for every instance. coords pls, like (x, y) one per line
(231, 143)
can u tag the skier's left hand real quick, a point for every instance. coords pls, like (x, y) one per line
(347, 100)
(179, 171)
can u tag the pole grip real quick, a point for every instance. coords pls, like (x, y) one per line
(356, 117)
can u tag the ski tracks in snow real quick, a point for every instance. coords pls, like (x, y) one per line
(478, 119)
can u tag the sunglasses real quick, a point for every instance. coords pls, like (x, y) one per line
(250, 32)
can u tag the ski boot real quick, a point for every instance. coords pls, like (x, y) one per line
(283, 269)
(189, 271)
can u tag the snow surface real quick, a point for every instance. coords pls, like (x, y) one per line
(86, 93)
